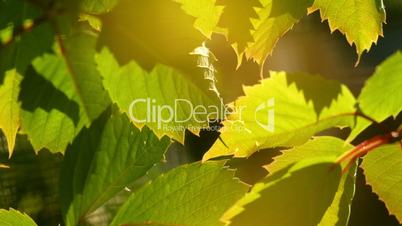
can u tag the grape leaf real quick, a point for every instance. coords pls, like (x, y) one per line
(77, 95)
(383, 170)
(126, 32)
(51, 112)
(283, 111)
(13, 217)
(339, 211)
(195, 194)
(23, 49)
(163, 86)
(239, 28)
(78, 51)
(10, 107)
(14, 59)
(207, 14)
(16, 12)
(300, 194)
(386, 81)
(360, 21)
(98, 6)
(275, 18)
(104, 159)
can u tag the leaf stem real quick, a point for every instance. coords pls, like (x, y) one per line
(367, 146)
(375, 122)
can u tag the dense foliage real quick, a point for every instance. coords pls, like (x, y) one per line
(71, 71)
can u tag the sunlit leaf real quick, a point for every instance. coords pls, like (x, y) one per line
(14, 217)
(78, 51)
(207, 14)
(383, 170)
(70, 96)
(338, 212)
(167, 37)
(103, 160)
(300, 194)
(10, 107)
(14, 60)
(98, 6)
(51, 111)
(239, 28)
(360, 21)
(381, 96)
(283, 111)
(196, 194)
(275, 18)
(135, 90)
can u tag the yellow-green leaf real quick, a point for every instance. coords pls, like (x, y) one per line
(383, 170)
(283, 111)
(338, 212)
(10, 107)
(51, 114)
(275, 18)
(237, 28)
(207, 14)
(97, 6)
(146, 97)
(381, 96)
(299, 195)
(196, 194)
(359, 20)
(14, 217)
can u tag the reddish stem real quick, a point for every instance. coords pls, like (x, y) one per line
(365, 147)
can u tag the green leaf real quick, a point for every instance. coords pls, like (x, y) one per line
(386, 81)
(154, 31)
(14, 217)
(239, 28)
(207, 14)
(339, 211)
(79, 51)
(98, 6)
(10, 107)
(283, 111)
(72, 81)
(103, 160)
(275, 18)
(22, 50)
(196, 194)
(297, 195)
(383, 170)
(51, 112)
(14, 59)
(360, 21)
(163, 86)
(15, 12)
